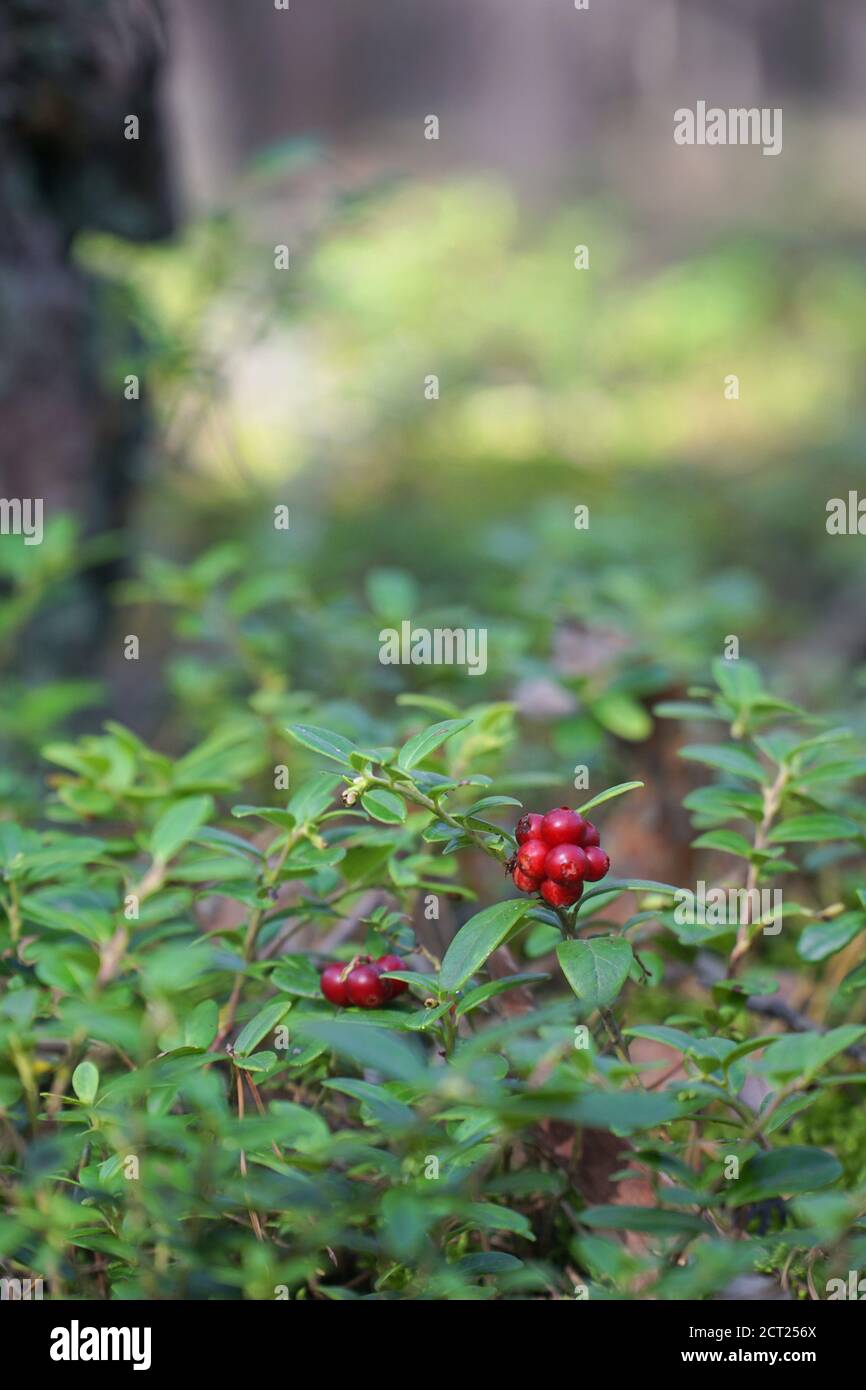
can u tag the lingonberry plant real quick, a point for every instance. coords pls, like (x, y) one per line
(234, 1062)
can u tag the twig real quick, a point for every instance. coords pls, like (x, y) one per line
(772, 801)
(254, 1217)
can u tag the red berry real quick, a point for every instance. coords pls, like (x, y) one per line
(597, 864)
(366, 988)
(395, 987)
(565, 864)
(590, 835)
(333, 984)
(531, 857)
(556, 896)
(525, 882)
(528, 827)
(562, 827)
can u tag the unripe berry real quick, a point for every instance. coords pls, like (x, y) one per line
(590, 835)
(531, 857)
(333, 985)
(597, 864)
(565, 864)
(556, 896)
(395, 987)
(528, 827)
(525, 882)
(562, 827)
(366, 988)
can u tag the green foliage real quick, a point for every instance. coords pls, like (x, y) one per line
(182, 1115)
(185, 1116)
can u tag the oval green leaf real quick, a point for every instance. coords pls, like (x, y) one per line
(85, 1082)
(477, 939)
(619, 790)
(323, 741)
(421, 745)
(596, 969)
(384, 806)
(178, 824)
(257, 1028)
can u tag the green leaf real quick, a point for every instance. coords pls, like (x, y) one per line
(200, 1028)
(284, 820)
(671, 1037)
(823, 826)
(85, 1082)
(804, 1054)
(854, 981)
(784, 1171)
(840, 771)
(724, 803)
(421, 1020)
(725, 841)
(596, 969)
(432, 703)
(687, 709)
(653, 1220)
(368, 1045)
(824, 939)
(739, 681)
(178, 825)
(490, 1216)
(541, 940)
(619, 790)
(480, 995)
(384, 806)
(300, 1127)
(387, 1111)
(744, 1048)
(68, 912)
(628, 885)
(593, 902)
(296, 974)
(422, 745)
(624, 1111)
(323, 741)
(314, 797)
(622, 715)
(486, 1262)
(225, 840)
(725, 757)
(488, 803)
(256, 1061)
(477, 939)
(391, 592)
(257, 1028)
(404, 1222)
(428, 984)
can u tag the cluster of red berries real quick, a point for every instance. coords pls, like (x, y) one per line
(557, 854)
(360, 982)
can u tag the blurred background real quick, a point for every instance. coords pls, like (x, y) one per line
(165, 385)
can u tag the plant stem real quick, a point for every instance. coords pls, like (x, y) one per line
(772, 801)
(267, 881)
(411, 793)
(566, 922)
